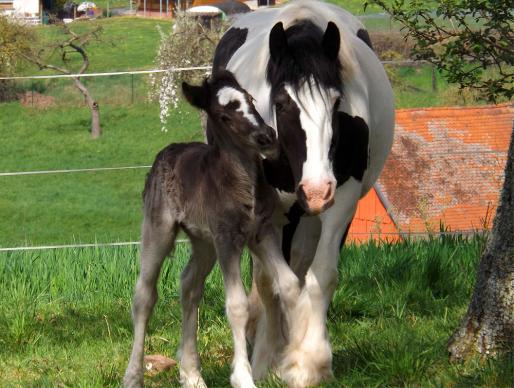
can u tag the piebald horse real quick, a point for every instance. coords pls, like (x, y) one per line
(311, 68)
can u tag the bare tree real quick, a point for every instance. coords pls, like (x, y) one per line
(74, 43)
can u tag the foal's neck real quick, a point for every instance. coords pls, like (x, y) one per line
(245, 158)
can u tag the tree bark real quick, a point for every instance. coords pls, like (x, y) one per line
(488, 327)
(96, 130)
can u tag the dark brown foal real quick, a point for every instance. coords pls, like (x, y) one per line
(218, 196)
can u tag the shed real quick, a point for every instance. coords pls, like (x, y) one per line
(445, 169)
(30, 10)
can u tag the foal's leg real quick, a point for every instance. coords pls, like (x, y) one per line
(158, 237)
(229, 254)
(268, 338)
(193, 278)
(279, 289)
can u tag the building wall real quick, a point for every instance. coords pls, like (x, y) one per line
(371, 221)
(155, 5)
(31, 7)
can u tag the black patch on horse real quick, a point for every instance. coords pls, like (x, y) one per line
(299, 54)
(301, 58)
(278, 173)
(363, 35)
(294, 215)
(349, 148)
(227, 46)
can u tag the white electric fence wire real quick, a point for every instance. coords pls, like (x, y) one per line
(182, 241)
(154, 71)
(72, 170)
(70, 246)
(171, 70)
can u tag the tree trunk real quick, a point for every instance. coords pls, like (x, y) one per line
(488, 327)
(96, 129)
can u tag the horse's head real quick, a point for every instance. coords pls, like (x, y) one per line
(304, 72)
(232, 113)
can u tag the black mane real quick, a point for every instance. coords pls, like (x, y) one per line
(304, 59)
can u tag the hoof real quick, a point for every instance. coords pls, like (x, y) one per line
(300, 369)
(191, 380)
(242, 377)
(133, 379)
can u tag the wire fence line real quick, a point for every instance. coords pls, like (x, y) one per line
(383, 235)
(18, 173)
(156, 71)
(80, 246)
(116, 88)
(108, 74)
(52, 88)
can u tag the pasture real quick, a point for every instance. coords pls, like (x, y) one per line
(65, 321)
(65, 314)
(85, 207)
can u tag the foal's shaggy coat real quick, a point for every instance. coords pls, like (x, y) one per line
(218, 196)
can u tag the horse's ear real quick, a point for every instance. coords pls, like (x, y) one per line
(197, 96)
(331, 41)
(277, 41)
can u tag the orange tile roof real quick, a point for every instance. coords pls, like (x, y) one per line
(447, 165)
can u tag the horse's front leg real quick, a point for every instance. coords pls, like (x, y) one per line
(307, 358)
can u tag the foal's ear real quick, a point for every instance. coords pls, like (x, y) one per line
(197, 96)
(277, 41)
(331, 41)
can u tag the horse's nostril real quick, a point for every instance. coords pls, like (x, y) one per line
(328, 191)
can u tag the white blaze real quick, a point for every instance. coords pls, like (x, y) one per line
(316, 107)
(228, 94)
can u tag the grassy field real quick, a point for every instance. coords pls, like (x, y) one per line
(64, 314)
(80, 207)
(65, 321)
(127, 43)
(101, 206)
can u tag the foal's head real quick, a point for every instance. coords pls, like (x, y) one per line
(233, 113)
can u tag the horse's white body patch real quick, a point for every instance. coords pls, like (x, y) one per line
(315, 107)
(228, 94)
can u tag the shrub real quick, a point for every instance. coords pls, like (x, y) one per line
(190, 44)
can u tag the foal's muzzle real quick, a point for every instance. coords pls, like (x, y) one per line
(266, 140)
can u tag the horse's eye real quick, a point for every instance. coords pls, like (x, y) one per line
(279, 107)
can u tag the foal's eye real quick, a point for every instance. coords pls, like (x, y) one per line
(279, 107)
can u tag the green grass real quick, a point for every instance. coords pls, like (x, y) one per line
(356, 6)
(116, 3)
(127, 43)
(82, 207)
(102, 206)
(65, 320)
